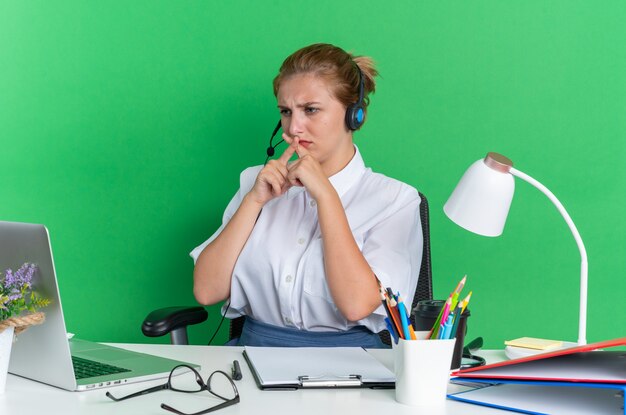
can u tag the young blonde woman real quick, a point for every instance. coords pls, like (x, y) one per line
(304, 243)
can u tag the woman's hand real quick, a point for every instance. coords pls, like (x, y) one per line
(306, 171)
(272, 180)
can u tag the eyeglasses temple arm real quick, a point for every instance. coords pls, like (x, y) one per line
(143, 392)
(212, 409)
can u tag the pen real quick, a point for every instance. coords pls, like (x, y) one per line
(236, 370)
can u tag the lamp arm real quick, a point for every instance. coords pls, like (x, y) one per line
(582, 322)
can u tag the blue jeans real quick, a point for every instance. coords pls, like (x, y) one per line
(256, 333)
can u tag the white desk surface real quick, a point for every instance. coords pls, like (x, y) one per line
(25, 397)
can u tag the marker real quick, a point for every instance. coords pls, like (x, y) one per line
(236, 370)
(447, 327)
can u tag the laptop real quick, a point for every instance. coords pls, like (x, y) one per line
(43, 353)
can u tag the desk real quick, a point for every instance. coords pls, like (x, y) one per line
(25, 397)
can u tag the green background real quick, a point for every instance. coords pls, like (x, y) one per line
(124, 126)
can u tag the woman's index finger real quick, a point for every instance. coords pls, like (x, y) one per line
(284, 158)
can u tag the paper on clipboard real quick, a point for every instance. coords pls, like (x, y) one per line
(286, 367)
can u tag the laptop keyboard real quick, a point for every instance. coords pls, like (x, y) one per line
(84, 368)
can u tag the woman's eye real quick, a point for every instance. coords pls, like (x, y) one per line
(285, 112)
(311, 110)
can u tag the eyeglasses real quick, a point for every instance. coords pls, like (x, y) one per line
(186, 379)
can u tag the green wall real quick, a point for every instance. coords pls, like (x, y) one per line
(124, 126)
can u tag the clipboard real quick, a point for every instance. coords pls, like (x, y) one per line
(291, 368)
(554, 398)
(586, 364)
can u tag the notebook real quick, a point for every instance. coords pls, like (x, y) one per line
(316, 367)
(43, 353)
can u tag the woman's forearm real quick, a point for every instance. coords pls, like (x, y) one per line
(214, 267)
(351, 281)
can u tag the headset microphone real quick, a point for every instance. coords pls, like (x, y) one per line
(271, 149)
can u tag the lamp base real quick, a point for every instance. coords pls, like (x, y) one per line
(513, 352)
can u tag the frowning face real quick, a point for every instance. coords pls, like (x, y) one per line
(309, 111)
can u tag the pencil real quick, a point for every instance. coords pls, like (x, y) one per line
(412, 332)
(466, 300)
(435, 330)
(460, 285)
(446, 313)
(391, 326)
(404, 319)
(384, 301)
(393, 307)
(392, 331)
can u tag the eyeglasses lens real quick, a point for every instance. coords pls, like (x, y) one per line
(222, 386)
(183, 379)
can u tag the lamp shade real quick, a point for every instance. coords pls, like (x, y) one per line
(480, 202)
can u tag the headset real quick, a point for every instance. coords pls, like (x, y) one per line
(355, 116)
(355, 113)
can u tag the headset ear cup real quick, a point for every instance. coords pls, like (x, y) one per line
(355, 115)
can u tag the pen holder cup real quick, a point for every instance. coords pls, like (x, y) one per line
(422, 369)
(425, 314)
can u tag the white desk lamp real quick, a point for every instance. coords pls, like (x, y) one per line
(480, 203)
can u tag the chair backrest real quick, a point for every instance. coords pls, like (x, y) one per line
(424, 290)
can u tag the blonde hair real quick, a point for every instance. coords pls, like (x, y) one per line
(336, 66)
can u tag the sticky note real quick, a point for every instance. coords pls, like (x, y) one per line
(533, 343)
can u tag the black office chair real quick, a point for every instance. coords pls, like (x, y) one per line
(174, 320)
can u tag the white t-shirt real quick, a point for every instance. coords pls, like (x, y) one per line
(279, 276)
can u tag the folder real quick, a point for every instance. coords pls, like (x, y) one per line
(588, 363)
(584, 379)
(554, 398)
(290, 368)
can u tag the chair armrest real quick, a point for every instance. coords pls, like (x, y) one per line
(166, 320)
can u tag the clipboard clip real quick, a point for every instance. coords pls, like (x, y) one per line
(350, 381)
